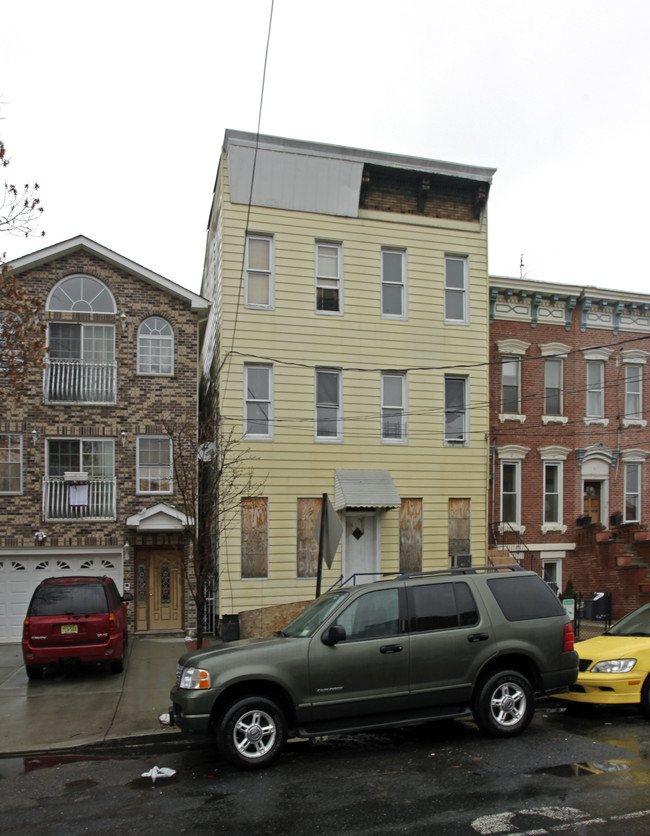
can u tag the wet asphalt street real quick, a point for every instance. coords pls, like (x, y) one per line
(584, 775)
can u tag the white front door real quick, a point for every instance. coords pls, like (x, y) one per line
(361, 555)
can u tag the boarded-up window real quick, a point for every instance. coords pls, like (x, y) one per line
(410, 535)
(459, 527)
(254, 537)
(307, 546)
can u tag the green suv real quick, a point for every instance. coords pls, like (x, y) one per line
(407, 650)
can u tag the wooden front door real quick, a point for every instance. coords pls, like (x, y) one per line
(158, 590)
(591, 504)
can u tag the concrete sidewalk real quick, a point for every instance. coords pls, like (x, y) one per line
(88, 706)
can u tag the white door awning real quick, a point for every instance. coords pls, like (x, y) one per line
(365, 489)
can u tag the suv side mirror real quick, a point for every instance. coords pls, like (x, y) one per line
(333, 635)
(127, 597)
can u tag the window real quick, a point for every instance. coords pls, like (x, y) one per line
(155, 347)
(259, 271)
(632, 492)
(410, 535)
(393, 284)
(11, 463)
(80, 363)
(393, 407)
(92, 456)
(441, 606)
(456, 290)
(552, 492)
(510, 376)
(553, 387)
(254, 537)
(372, 616)
(80, 480)
(633, 388)
(521, 599)
(510, 492)
(456, 410)
(329, 278)
(154, 464)
(81, 294)
(258, 416)
(307, 511)
(595, 389)
(329, 423)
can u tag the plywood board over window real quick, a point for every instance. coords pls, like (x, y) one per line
(459, 526)
(254, 537)
(307, 547)
(410, 535)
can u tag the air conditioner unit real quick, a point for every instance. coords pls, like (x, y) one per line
(75, 476)
(461, 561)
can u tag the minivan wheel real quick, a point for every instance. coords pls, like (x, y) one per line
(252, 732)
(34, 671)
(504, 704)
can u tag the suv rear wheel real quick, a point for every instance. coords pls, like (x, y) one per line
(504, 704)
(252, 732)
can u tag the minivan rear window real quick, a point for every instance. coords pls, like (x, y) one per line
(524, 598)
(77, 599)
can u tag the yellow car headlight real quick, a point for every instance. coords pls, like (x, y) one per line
(614, 666)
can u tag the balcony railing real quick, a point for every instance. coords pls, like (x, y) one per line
(93, 500)
(76, 381)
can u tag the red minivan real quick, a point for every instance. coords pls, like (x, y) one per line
(75, 619)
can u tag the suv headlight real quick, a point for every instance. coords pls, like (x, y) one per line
(614, 666)
(193, 679)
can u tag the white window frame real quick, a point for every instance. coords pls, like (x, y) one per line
(402, 284)
(516, 362)
(13, 450)
(463, 291)
(464, 411)
(163, 338)
(516, 523)
(336, 438)
(394, 412)
(559, 468)
(138, 490)
(595, 391)
(325, 282)
(635, 415)
(636, 494)
(560, 363)
(269, 273)
(252, 401)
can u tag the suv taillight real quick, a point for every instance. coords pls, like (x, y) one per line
(569, 637)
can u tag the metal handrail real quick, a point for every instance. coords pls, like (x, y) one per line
(520, 551)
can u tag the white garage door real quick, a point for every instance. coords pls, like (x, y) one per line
(19, 576)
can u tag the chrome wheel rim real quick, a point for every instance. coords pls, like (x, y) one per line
(508, 704)
(254, 734)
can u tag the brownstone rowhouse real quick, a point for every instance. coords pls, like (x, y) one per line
(86, 481)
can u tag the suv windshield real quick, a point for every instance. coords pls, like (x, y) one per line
(313, 616)
(77, 599)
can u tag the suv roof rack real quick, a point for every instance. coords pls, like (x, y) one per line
(473, 570)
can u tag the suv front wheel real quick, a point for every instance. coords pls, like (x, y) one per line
(504, 704)
(252, 732)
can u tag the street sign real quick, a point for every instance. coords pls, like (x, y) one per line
(327, 533)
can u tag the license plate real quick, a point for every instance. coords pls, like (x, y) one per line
(69, 628)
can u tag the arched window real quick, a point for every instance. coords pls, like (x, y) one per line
(155, 346)
(81, 294)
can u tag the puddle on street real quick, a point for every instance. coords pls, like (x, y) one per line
(575, 770)
(11, 767)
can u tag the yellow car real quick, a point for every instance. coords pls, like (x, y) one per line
(614, 667)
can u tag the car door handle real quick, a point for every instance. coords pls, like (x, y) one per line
(478, 637)
(391, 648)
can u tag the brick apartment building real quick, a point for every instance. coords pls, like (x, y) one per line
(86, 471)
(569, 393)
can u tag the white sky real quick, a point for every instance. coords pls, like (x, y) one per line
(118, 110)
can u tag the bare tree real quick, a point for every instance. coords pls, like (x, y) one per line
(213, 471)
(21, 208)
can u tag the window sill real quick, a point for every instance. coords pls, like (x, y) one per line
(511, 416)
(634, 422)
(505, 527)
(547, 527)
(554, 419)
(602, 422)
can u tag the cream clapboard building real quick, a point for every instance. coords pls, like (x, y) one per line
(347, 344)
